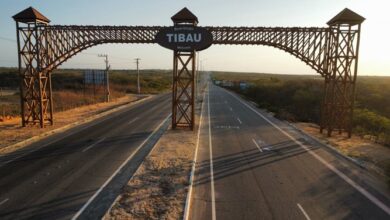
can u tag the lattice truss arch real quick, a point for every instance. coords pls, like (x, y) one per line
(42, 48)
(64, 42)
(59, 43)
(331, 51)
(56, 44)
(307, 44)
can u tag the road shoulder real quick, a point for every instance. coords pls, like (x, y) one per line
(367, 154)
(14, 137)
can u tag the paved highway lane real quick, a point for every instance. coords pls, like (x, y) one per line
(252, 166)
(58, 178)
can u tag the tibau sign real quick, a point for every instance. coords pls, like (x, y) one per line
(184, 38)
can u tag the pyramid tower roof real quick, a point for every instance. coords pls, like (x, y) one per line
(30, 15)
(346, 16)
(184, 16)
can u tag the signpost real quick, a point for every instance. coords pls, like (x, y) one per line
(184, 38)
(96, 78)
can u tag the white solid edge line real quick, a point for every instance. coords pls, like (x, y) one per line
(303, 211)
(4, 201)
(192, 175)
(117, 170)
(364, 192)
(94, 144)
(258, 147)
(213, 213)
(238, 119)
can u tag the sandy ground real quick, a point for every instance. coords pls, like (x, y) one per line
(374, 157)
(158, 188)
(11, 131)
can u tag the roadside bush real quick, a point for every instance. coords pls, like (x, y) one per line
(9, 77)
(290, 100)
(9, 110)
(370, 123)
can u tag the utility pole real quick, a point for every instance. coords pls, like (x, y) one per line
(107, 78)
(197, 85)
(138, 85)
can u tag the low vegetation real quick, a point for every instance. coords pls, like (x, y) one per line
(69, 90)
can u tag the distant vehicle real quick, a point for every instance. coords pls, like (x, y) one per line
(227, 83)
(243, 85)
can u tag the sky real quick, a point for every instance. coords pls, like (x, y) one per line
(374, 56)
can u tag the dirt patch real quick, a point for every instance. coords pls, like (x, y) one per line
(158, 189)
(374, 157)
(11, 131)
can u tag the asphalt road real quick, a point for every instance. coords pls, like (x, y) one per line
(61, 177)
(253, 166)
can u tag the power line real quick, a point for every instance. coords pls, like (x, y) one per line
(7, 39)
(96, 54)
(122, 58)
(90, 54)
(83, 53)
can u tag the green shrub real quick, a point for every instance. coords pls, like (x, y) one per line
(370, 123)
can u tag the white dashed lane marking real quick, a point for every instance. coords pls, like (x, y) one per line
(303, 211)
(4, 201)
(134, 119)
(94, 144)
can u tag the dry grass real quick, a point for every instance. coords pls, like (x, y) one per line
(158, 188)
(12, 132)
(62, 100)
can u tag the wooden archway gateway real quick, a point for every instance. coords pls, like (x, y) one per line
(331, 51)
